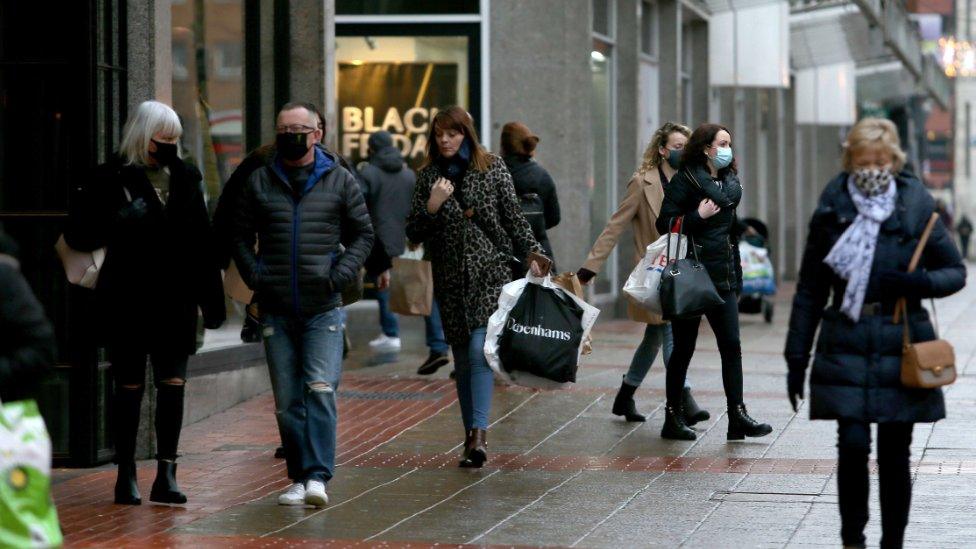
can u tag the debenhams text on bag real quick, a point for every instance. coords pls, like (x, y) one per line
(537, 331)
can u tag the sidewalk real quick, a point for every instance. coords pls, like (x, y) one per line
(562, 470)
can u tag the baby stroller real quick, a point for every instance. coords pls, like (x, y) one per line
(758, 279)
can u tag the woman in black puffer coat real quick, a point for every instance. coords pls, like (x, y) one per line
(705, 193)
(856, 369)
(146, 207)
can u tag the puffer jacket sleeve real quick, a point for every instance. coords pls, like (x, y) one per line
(812, 288)
(421, 225)
(359, 230)
(733, 190)
(679, 200)
(511, 216)
(223, 218)
(942, 263)
(244, 235)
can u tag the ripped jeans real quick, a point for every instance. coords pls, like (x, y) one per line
(305, 360)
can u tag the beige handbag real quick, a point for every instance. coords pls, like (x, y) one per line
(82, 268)
(927, 364)
(234, 285)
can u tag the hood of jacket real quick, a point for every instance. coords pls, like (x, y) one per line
(387, 159)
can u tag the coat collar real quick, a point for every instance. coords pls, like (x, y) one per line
(653, 190)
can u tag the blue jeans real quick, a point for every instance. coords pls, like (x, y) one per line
(305, 360)
(388, 319)
(435, 331)
(475, 381)
(655, 336)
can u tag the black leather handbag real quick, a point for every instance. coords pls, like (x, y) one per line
(686, 289)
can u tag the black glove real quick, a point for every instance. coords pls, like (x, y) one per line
(901, 284)
(585, 275)
(795, 380)
(133, 211)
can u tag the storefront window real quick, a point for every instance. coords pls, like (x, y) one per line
(208, 94)
(397, 83)
(406, 7)
(601, 186)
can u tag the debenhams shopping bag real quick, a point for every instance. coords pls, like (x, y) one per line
(535, 336)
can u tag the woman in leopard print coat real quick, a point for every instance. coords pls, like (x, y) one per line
(467, 215)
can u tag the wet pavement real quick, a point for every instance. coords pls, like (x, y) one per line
(563, 471)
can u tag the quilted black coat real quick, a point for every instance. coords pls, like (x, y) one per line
(713, 237)
(856, 368)
(301, 266)
(470, 256)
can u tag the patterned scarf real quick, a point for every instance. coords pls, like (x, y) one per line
(852, 255)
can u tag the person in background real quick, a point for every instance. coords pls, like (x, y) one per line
(302, 207)
(27, 346)
(466, 214)
(705, 193)
(146, 207)
(533, 184)
(639, 210)
(851, 276)
(389, 187)
(965, 231)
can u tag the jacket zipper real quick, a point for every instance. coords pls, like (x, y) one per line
(296, 218)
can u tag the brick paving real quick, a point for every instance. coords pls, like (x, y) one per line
(563, 472)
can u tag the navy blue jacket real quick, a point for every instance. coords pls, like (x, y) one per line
(856, 369)
(311, 243)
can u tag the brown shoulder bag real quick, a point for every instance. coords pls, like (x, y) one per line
(927, 364)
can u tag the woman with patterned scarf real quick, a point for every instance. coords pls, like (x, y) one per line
(862, 236)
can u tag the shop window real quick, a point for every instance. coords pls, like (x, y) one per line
(406, 7)
(602, 13)
(397, 83)
(602, 128)
(648, 28)
(209, 97)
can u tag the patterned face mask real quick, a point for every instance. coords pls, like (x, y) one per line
(871, 181)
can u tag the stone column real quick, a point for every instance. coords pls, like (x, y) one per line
(669, 42)
(699, 77)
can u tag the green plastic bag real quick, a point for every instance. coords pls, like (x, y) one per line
(28, 517)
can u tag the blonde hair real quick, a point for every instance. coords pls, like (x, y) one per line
(652, 156)
(151, 117)
(873, 132)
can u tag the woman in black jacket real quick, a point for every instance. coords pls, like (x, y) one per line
(533, 184)
(705, 193)
(466, 214)
(146, 207)
(862, 236)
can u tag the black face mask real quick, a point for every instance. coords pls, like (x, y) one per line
(292, 146)
(165, 153)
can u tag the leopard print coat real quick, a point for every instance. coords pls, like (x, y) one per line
(470, 255)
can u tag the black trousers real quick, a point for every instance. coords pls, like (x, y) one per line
(724, 320)
(129, 371)
(853, 449)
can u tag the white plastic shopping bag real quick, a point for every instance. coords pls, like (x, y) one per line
(644, 283)
(509, 296)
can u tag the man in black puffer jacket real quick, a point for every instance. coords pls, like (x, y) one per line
(302, 206)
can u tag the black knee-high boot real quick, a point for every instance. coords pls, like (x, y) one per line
(169, 422)
(127, 408)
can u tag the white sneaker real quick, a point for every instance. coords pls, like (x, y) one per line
(315, 494)
(385, 343)
(294, 495)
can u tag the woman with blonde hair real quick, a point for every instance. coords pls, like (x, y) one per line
(862, 236)
(146, 207)
(639, 209)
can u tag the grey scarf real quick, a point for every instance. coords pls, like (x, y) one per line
(852, 255)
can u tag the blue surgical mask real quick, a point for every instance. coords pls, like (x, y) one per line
(722, 158)
(674, 158)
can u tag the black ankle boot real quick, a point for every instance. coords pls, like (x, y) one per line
(478, 454)
(675, 427)
(126, 488)
(164, 489)
(693, 413)
(623, 404)
(741, 425)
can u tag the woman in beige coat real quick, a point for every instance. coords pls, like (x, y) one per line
(640, 208)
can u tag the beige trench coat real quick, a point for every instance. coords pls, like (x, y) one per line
(640, 208)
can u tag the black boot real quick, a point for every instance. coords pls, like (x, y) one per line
(675, 427)
(126, 488)
(693, 413)
(164, 489)
(741, 425)
(479, 449)
(466, 453)
(126, 410)
(623, 404)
